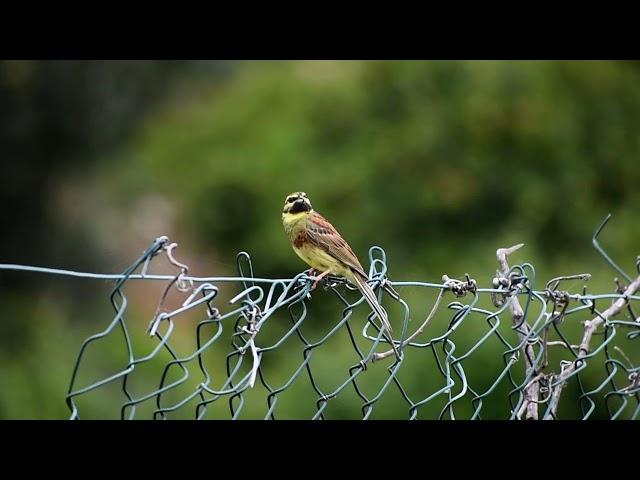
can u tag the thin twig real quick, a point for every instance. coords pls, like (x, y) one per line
(580, 276)
(562, 344)
(388, 353)
(619, 350)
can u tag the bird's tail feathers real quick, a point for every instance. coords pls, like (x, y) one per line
(371, 299)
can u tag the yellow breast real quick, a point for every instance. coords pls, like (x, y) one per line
(315, 257)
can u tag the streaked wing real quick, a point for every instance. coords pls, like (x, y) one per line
(322, 234)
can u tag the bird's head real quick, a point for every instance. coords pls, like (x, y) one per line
(297, 202)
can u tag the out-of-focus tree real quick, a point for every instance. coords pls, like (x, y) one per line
(56, 119)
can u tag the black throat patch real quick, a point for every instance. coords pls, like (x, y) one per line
(300, 206)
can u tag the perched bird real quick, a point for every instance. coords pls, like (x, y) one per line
(319, 244)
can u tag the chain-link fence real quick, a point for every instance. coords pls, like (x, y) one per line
(548, 339)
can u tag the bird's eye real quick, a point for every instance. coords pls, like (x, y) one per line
(291, 199)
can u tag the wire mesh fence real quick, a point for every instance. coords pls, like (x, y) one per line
(548, 339)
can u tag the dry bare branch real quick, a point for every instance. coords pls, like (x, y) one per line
(590, 327)
(531, 392)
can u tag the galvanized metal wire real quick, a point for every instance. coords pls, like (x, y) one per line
(537, 386)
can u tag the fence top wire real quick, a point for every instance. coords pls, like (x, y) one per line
(120, 276)
(535, 384)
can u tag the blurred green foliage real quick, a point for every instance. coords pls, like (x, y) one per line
(440, 163)
(431, 160)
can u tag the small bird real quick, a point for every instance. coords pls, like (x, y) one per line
(320, 245)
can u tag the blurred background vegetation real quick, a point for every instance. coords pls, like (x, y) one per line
(437, 162)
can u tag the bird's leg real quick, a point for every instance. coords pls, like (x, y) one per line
(318, 278)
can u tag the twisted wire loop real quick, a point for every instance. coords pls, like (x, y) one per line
(557, 346)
